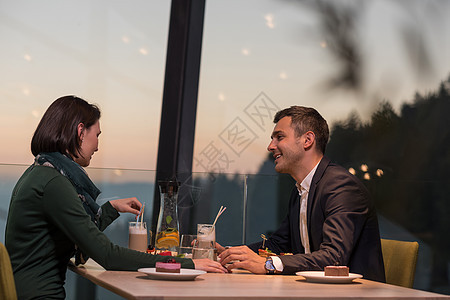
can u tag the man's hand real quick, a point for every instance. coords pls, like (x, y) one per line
(243, 257)
(209, 266)
(131, 205)
(220, 248)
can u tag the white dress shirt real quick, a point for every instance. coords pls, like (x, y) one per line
(303, 191)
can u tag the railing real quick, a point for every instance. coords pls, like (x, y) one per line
(255, 204)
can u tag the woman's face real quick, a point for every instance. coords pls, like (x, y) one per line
(89, 144)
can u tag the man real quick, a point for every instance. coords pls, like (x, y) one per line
(331, 220)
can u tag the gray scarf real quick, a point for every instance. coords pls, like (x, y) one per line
(86, 189)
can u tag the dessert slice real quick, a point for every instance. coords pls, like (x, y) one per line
(171, 266)
(336, 271)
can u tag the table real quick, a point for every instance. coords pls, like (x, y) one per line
(136, 285)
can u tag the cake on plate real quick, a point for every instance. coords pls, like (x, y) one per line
(171, 266)
(336, 271)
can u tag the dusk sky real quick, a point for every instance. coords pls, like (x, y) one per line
(253, 51)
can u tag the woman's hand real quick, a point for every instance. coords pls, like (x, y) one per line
(131, 205)
(209, 266)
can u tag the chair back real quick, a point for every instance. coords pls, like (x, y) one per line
(7, 285)
(400, 260)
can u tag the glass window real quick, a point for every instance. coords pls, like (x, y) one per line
(269, 55)
(111, 53)
(108, 52)
(378, 73)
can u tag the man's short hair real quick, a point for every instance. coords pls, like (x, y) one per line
(304, 119)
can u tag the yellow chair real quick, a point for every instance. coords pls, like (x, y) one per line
(7, 285)
(400, 259)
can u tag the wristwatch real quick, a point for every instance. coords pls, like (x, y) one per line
(270, 267)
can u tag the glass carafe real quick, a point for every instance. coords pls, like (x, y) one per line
(167, 231)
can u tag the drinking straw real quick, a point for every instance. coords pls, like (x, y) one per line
(142, 215)
(221, 210)
(137, 218)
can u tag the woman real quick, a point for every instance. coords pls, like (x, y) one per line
(53, 215)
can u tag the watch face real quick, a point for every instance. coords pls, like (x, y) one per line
(270, 266)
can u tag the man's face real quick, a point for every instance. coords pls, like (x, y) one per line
(286, 147)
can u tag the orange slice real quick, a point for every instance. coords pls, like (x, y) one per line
(167, 242)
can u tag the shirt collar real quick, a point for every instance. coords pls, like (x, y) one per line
(306, 183)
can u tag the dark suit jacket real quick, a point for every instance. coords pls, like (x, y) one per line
(342, 227)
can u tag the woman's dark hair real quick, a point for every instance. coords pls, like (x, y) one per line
(57, 130)
(304, 119)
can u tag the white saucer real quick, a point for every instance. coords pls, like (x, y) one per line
(319, 277)
(185, 274)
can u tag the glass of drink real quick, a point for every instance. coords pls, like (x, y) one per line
(137, 236)
(186, 244)
(167, 231)
(198, 253)
(206, 236)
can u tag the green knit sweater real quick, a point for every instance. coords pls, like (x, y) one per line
(46, 220)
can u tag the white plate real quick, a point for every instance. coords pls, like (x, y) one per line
(185, 274)
(319, 277)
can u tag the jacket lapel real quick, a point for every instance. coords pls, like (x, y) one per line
(312, 190)
(295, 217)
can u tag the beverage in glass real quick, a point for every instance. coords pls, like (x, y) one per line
(186, 245)
(167, 230)
(206, 236)
(198, 253)
(204, 246)
(137, 236)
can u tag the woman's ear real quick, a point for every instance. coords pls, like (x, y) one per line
(80, 131)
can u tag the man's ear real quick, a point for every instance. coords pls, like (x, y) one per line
(310, 139)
